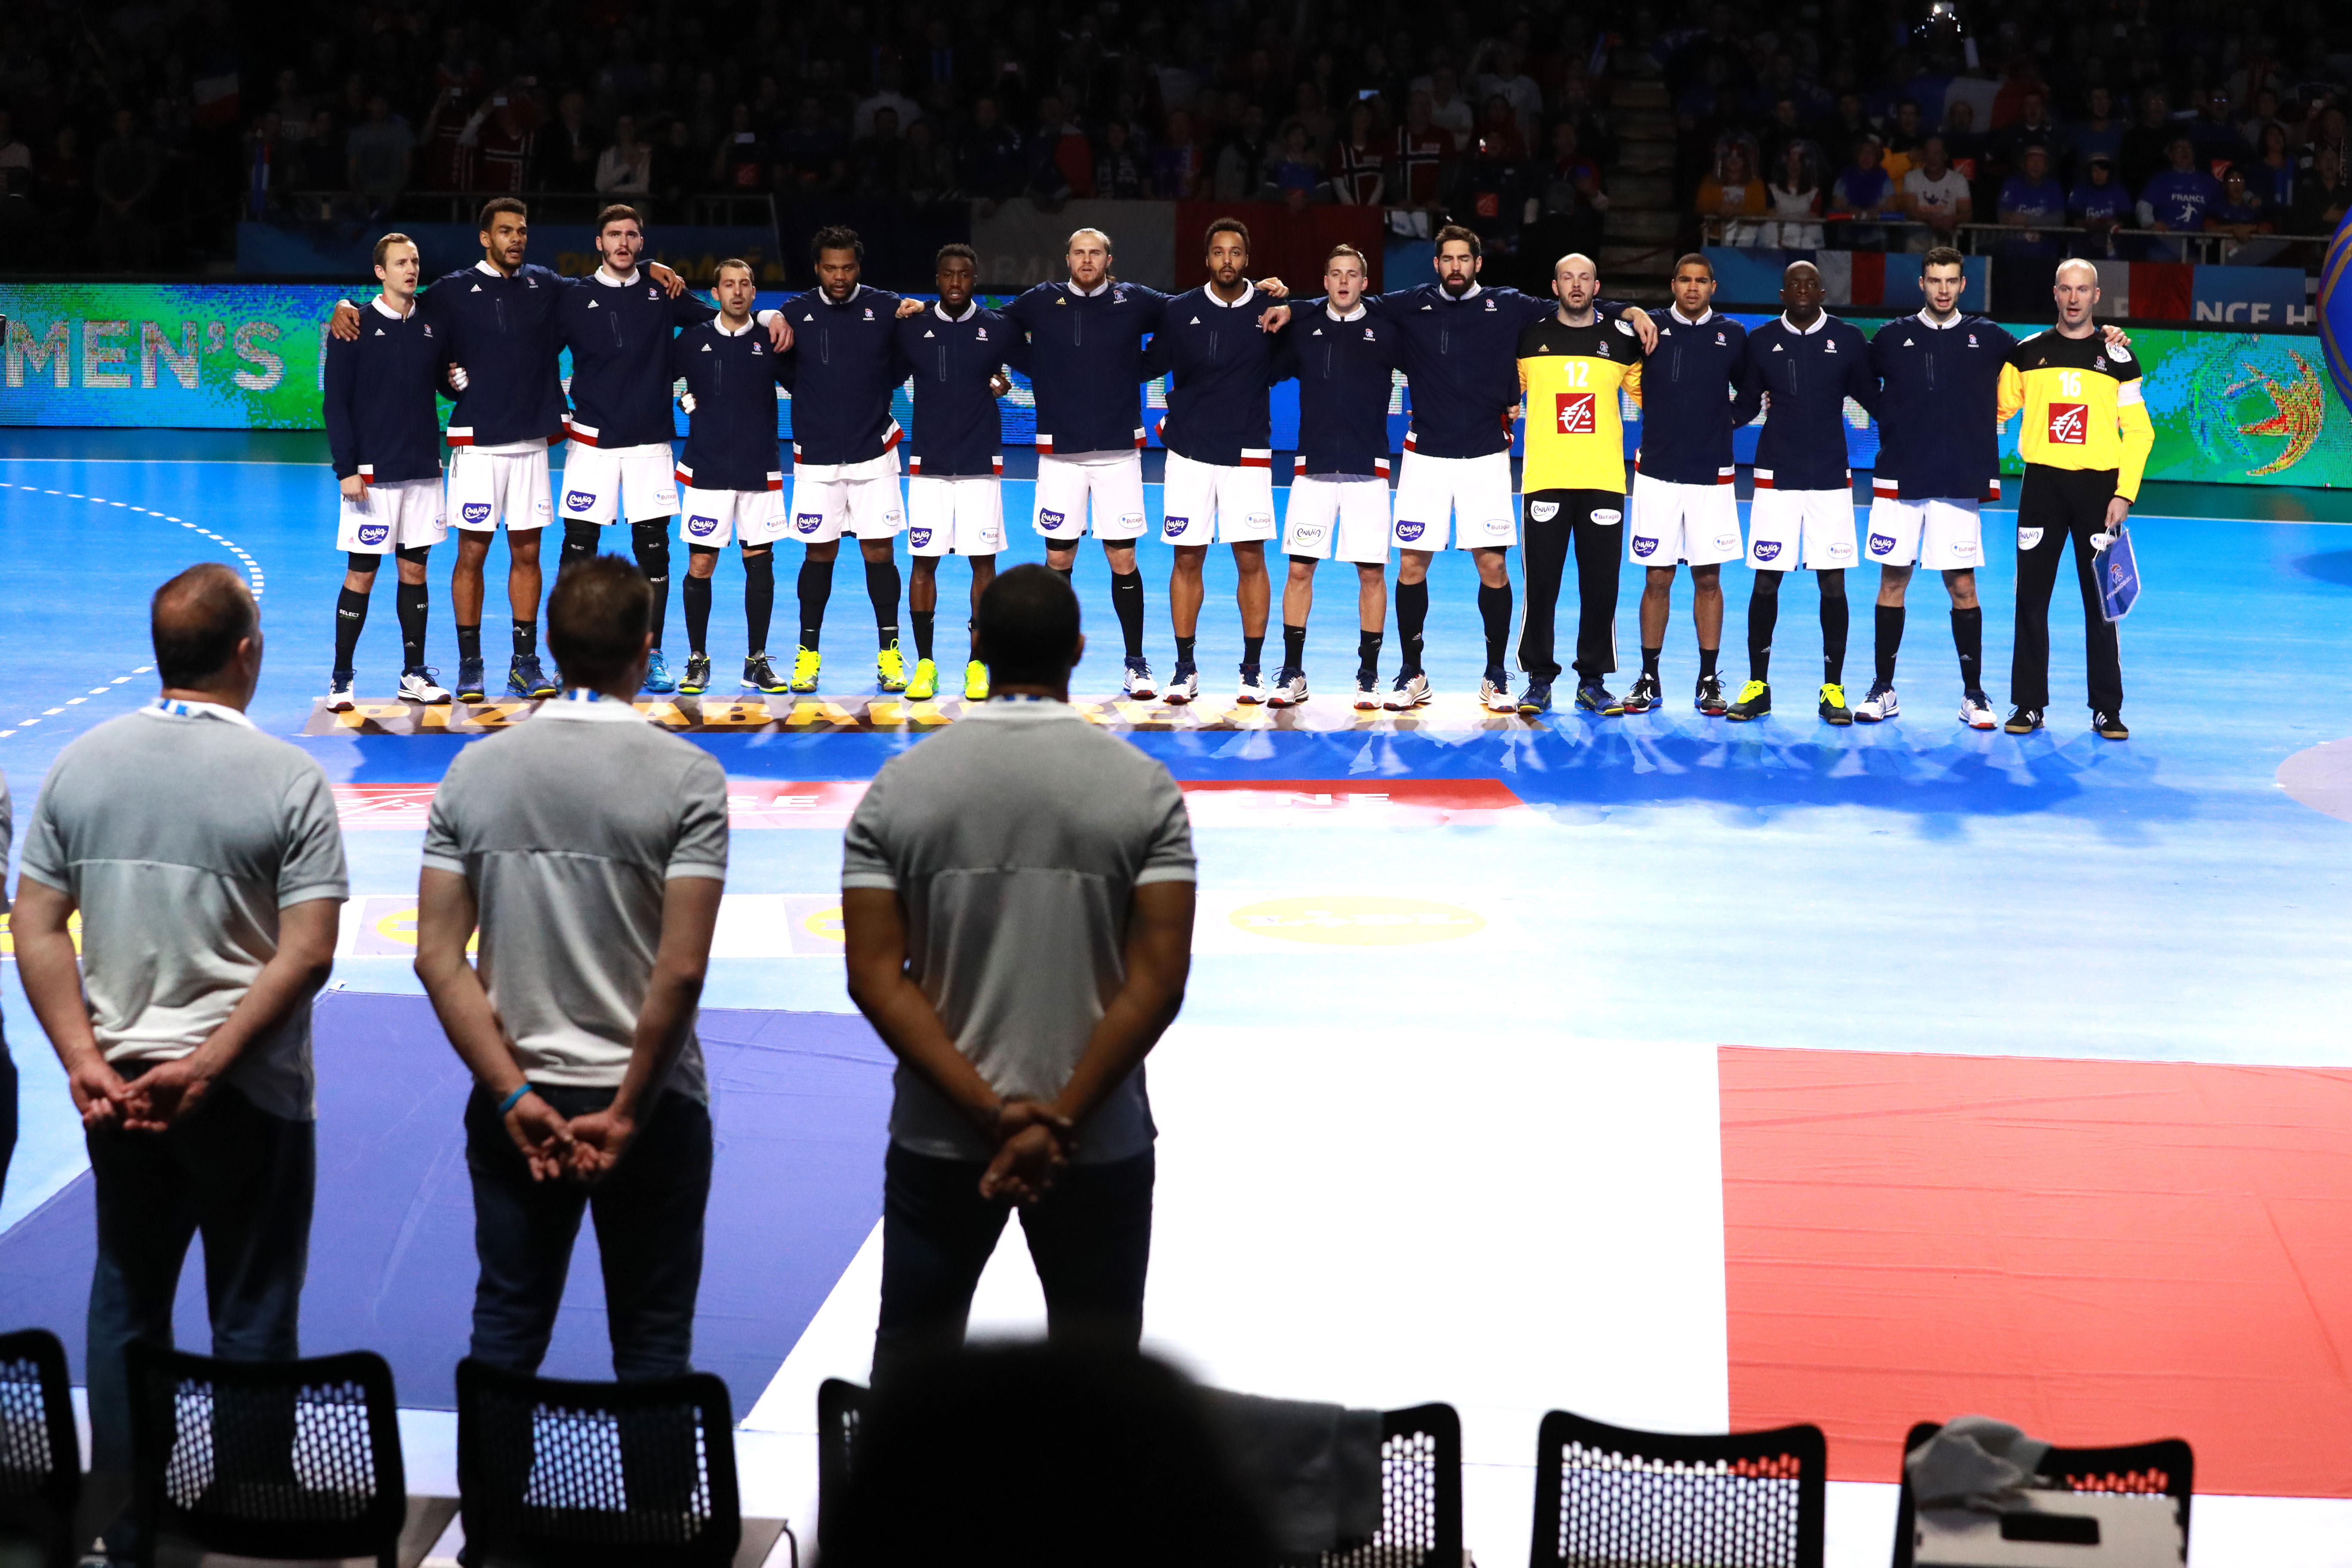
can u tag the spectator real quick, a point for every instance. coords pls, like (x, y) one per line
(1424, 157)
(2264, 116)
(2032, 199)
(1246, 161)
(2331, 134)
(2177, 200)
(1121, 173)
(1064, 163)
(321, 169)
(502, 133)
(2241, 216)
(2098, 135)
(677, 168)
(1176, 173)
(1357, 163)
(878, 160)
(930, 165)
(2321, 196)
(1935, 195)
(626, 167)
(1796, 199)
(123, 177)
(2271, 173)
(1566, 201)
(2034, 128)
(1962, 146)
(996, 162)
(1447, 107)
(1786, 130)
(2099, 204)
(566, 155)
(268, 167)
(1307, 108)
(740, 162)
(2214, 132)
(813, 158)
(1734, 195)
(1505, 80)
(2147, 144)
(1864, 189)
(68, 205)
(1498, 133)
(1901, 143)
(379, 151)
(1297, 177)
(886, 96)
(15, 160)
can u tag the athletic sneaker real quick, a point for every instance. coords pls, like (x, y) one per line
(417, 685)
(697, 679)
(805, 664)
(890, 669)
(1367, 690)
(2110, 726)
(338, 695)
(526, 679)
(1708, 699)
(1537, 699)
(1645, 695)
(1495, 691)
(657, 676)
(1138, 682)
(2023, 721)
(1182, 685)
(1253, 687)
(1976, 711)
(1593, 697)
(759, 675)
(1833, 708)
(1755, 701)
(1289, 688)
(1880, 705)
(925, 683)
(469, 680)
(1412, 690)
(975, 682)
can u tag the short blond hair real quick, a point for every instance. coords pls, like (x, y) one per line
(1095, 231)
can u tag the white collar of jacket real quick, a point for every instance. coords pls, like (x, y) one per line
(1024, 707)
(719, 324)
(609, 281)
(1356, 314)
(1466, 295)
(182, 708)
(1699, 320)
(593, 706)
(825, 298)
(1933, 325)
(1249, 292)
(1820, 323)
(971, 308)
(487, 270)
(387, 312)
(1098, 289)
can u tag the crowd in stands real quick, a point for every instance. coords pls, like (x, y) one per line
(2170, 117)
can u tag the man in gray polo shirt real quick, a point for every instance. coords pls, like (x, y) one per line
(1017, 905)
(208, 867)
(590, 850)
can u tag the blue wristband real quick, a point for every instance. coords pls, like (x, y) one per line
(510, 1101)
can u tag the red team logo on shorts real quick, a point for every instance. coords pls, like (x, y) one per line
(2069, 423)
(1576, 413)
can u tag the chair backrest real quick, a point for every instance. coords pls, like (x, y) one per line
(1659, 1499)
(839, 1407)
(597, 1474)
(40, 1455)
(1420, 1494)
(290, 1458)
(2165, 1469)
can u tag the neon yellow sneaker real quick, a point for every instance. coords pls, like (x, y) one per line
(1755, 701)
(926, 682)
(975, 683)
(891, 665)
(804, 668)
(1833, 708)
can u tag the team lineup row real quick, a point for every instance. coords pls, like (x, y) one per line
(1940, 383)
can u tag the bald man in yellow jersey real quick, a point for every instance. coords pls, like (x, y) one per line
(1572, 481)
(2086, 442)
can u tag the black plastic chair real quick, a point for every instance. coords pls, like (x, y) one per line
(839, 1407)
(276, 1459)
(2165, 1469)
(40, 1455)
(1660, 1499)
(554, 1474)
(1420, 1494)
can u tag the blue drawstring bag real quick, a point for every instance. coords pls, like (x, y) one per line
(2118, 571)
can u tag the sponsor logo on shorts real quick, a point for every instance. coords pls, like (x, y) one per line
(1882, 544)
(474, 511)
(1130, 519)
(1607, 515)
(1644, 547)
(1048, 520)
(1726, 541)
(1841, 550)
(2027, 537)
(702, 527)
(920, 538)
(1496, 526)
(2069, 423)
(1174, 527)
(1575, 413)
(1308, 533)
(1408, 532)
(1261, 519)
(892, 518)
(579, 501)
(1543, 510)
(375, 533)
(1965, 550)
(809, 522)
(991, 538)
(1768, 550)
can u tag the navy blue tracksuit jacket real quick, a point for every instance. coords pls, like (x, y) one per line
(1085, 356)
(958, 427)
(503, 331)
(1345, 371)
(1939, 393)
(1810, 375)
(1220, 364)
(1687, 383)
(382, 422)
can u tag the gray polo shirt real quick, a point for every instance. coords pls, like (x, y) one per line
(568, 828)
(179, 831)
(1015, 840)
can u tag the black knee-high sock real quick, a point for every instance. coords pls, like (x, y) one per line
(695, 594)
(409, 599)
(579, 543)
(1368, 655)
(1066, 573)
(1495, 613)
(924, 620)
(882, 593)
(1763, 615)
(1967, 637)
(469, 643)
(651, 544)
(1252, 650)
(1890, 640)
(759, 598)
(1126, 602)
(1834, 615)
(1412, 614)
(351, 614)
(526, 640)
(816, 588)
(1293, 647)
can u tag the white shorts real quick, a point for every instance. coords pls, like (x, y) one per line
(1789, 529)
(859, 498)
(597, 480)
(402, 515)
(1209, 503)
(963, 516)
(1112, 481)
(1473, 493)
(711, 518)
(1344, 517)
(508, 485)
(1672, 522)
(1941, 535)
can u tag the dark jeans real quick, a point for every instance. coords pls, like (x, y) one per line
(2056, 505)
(1090, 1237)
(1555, 521)
(648, 1216)
(242, 1178)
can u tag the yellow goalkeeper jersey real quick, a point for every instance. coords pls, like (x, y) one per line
(1568, 380)
(2082, 404)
